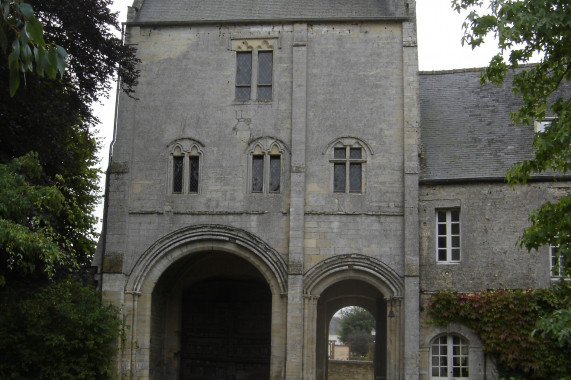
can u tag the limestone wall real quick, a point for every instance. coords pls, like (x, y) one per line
(492, 217)
(350, 369)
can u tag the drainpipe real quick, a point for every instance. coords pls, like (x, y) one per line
(109, 162)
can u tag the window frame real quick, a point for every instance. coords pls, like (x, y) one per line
(247, 84)
(449, 235)
(254, 83)
(346, 163)
(450, 355)
(539, 126)
(187, 150)
(558, 274)
(271, 150)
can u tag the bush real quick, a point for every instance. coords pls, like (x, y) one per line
(57, 331)
(505, 321)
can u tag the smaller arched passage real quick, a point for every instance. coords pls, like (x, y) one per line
(174, 271)
(353, 280)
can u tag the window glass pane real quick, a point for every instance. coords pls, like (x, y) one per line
(465, 372)
(257, 173)
(441, 255)
(442, 242)
(455, 241)
(265, 67)
(442, 229)
(455, 254)
(455, 215)
(456, 371)
(177, 174)
(243, 68)
(355, 153)
(435, 371)
(264, 92)
(355, 177)
(441, 216)
(243, 75)
(275, 173)
(339, 177)
(455, 227)
(243, 93)
(339, 153)
(193, 185)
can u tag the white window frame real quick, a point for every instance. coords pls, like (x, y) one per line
(539, 126)
(449, 355)
(558, 270)
(449, 236)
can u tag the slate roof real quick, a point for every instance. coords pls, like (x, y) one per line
(253, 10)
(466, 131)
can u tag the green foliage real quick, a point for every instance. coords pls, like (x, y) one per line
(525, 29)
(58, 331)
(355, 329)
(27, 238)
(505, 321)
(23, 33)
(54, 119)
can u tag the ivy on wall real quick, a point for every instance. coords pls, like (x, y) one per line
(505, 321)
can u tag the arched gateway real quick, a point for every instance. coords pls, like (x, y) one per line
(353, 280)
(207, 304)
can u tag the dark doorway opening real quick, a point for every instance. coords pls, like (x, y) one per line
(226, 330)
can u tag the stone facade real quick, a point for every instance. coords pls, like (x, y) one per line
(344, 81)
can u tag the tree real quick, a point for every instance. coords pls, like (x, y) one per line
(53, 118)
(59, 331)
(356, 326)
(524, 28)
(22, 33)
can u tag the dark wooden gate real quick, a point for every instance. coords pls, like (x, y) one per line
(226, 330)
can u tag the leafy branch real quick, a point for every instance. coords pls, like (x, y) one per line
(22, 40)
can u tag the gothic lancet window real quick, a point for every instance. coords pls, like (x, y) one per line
(266, 164)
(185, 161)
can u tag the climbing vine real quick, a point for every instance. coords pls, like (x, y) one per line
(505, 321)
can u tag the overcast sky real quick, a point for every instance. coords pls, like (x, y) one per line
(439, 31)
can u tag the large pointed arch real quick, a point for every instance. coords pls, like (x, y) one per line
(207, 237)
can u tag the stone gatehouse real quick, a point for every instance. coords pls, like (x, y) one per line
(285, 159)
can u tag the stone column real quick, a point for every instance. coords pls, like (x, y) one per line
(294, 364)
(411, 117)
(309, 339)
(381, 340)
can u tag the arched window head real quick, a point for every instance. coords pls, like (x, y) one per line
(185, 166)
(449, 357)
(266, 161)
(348, 156)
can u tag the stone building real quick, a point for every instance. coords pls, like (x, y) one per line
(285, 159)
